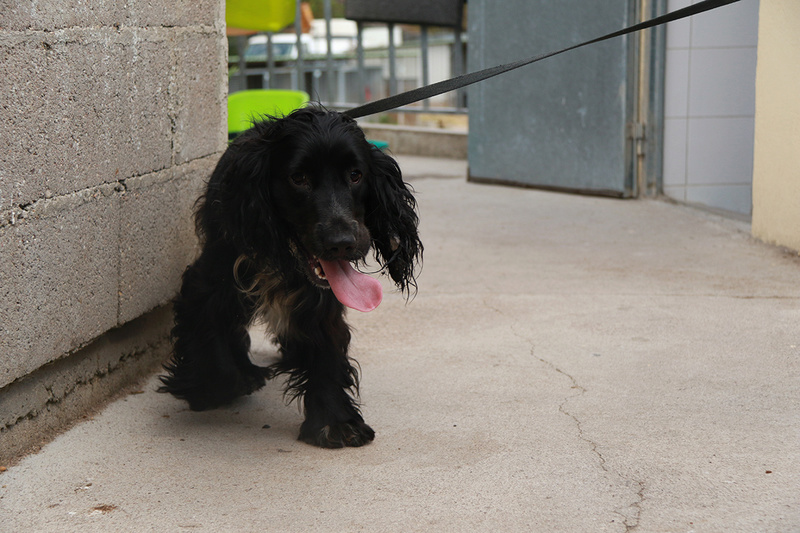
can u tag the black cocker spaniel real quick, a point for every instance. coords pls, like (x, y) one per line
(293, 203)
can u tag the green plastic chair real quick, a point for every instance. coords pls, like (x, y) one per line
(245, 107)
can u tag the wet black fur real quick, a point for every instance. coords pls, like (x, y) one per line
(308, 184)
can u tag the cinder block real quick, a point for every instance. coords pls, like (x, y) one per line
(22, 150)
(58, 279)
(178, 14)
(77, 118)
(41, 404)
(158, 239)
(57, 14)
(200, 92)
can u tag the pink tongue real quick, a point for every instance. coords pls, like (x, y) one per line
(354, 289)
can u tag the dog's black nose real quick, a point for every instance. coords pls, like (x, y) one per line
(339, 244)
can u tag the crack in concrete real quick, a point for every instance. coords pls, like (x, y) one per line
(631, 523)
(637, 505)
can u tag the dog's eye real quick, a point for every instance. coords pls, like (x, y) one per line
(355, 176)
(299, 179)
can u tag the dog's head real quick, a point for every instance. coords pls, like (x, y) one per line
(308, 190)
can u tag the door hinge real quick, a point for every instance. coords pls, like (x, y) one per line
(636, 132)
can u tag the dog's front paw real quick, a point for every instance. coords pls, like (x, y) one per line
(337, 435)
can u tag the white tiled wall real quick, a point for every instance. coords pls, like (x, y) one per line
(709, 106)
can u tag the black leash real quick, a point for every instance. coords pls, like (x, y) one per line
(421, 93)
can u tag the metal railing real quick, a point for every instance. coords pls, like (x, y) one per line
(342, 81)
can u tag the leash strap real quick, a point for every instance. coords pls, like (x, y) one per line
(421, 93)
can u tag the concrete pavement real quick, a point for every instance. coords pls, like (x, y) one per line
(570, 364)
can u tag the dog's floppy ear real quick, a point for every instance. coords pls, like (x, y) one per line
(236, 206)
(392, 221)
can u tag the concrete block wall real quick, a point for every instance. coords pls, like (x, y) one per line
(112, 116)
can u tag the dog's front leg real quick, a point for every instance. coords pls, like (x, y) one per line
(321, 373)
(332, 419)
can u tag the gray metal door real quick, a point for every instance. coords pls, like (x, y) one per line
(562, 123)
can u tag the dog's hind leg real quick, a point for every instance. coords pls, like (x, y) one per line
(210, 365)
